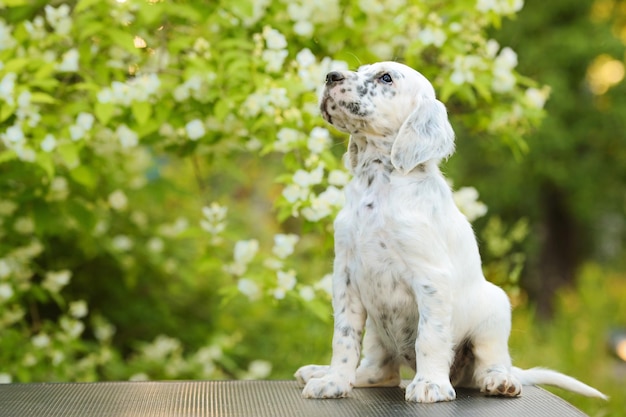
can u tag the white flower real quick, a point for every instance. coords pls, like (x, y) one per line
(286, 282)
(287, 138)
(145, 86)
(432, 36)
(59, 18)
(503, 81)
(7, 87)
(503, 78)
(195, 129)
(156, 245)
(54, 281)
(245, 250)
(49, 143)
(492, 47)
(307, 293)
(273, 264)
(255, 103)
(6, 291)
(305, 58)
(24, 99)
(72, 327)
(254, 144)
(7, 207)
(249, 288)
(174, 229)
(69, 62)
(85, 120)
(122, 243)
(338, 177)
(5, 378)
(24, 225)
(325, 284)
(126, 136)
(274, 39)
(161, 347)
(258, 369)
(6, 39)
(319, 140)
(466, 199)
(303, 28)
(274, 59)
(536, 97)
(59, 188)
(295, 192)
(103, 330)
(26, 154)
(5, 269)
(306, 179)
(507, 58)
(118, 200)
(13, 135)
(278, 97)
(214, 219)
(502, 7)
(36, 28)
(78, 309)
(40, 340)
(464, 67)
(284, 244)
(324, 204)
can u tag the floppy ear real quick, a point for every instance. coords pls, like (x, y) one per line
(426, 134)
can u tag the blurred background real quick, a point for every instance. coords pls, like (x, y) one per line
(167, 186)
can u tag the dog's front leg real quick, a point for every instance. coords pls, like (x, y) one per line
(337, 380)
(433, 346)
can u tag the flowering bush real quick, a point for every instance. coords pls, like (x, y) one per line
(147, 149)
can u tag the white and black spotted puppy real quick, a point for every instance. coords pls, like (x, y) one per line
(407, 270)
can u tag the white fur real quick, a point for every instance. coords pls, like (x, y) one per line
(408, 284)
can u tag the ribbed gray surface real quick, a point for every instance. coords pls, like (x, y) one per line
(254, 399)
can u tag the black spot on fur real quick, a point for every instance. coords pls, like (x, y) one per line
(370, 205)
(383, 245)
(354, 107)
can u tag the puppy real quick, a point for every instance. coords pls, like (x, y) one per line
(407, 270)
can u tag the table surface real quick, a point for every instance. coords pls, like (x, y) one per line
(254, 399)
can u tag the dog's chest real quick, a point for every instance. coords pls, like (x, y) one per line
(367, 229)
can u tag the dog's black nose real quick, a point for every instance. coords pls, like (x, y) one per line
(333, 77)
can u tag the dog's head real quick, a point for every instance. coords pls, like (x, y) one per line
(391, 101)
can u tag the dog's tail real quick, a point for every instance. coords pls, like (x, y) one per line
(535, 376)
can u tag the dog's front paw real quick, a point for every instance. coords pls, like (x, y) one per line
(308, 372)
(500, 383)
(426, 390)
(331, 385)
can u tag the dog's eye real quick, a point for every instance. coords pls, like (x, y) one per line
(386, 78)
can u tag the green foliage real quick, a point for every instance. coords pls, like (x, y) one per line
(577, 154)
(167, 188)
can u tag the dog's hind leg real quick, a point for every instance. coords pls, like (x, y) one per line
(492, 373)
